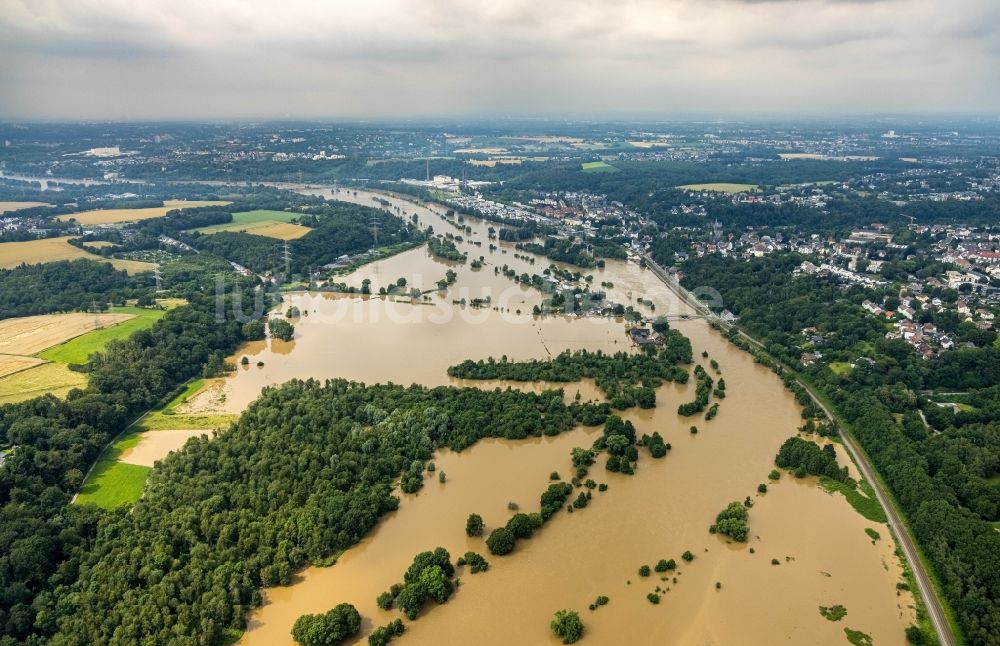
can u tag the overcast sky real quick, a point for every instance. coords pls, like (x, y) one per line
(190, 59)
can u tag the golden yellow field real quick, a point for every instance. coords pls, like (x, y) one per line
(99, 244)
(115, 216)
(721, 187)
(493, 162)
(30, 334)
(11, 363)
(168, 303)
(13, 254)
(53, 378)
(32, 252)
(480, 151)
(131, 266)
(14, 206)
(270, 229)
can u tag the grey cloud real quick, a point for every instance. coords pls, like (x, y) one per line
(399, 58)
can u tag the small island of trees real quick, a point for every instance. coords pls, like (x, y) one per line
(567, 626)
(281, 329)
(732, 522)
(328, 629)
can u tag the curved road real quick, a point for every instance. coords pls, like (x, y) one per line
(903, 538)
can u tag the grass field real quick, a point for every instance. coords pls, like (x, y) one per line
(116, 480)
(840, 368)
(42, 250)
(115, 216)
(16, 206)
(54, 378)
(272, 224)
(721, 187)
(597, 167)
(113, 484)
(77, 350)
(164, 420)
(863, 501)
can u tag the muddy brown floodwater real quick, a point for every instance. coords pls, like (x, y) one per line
(824, 555)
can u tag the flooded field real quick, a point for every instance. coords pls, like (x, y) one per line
(727, 595)
(155, 445)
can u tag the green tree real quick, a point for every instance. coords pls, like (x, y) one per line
(332, 627)
(474, 525)
(567, 626)
(411, 599)
(436, 583)
(500, 541)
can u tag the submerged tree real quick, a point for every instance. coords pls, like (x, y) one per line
(567, 626)
(333, 627)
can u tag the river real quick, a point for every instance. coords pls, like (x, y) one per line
(824, 555)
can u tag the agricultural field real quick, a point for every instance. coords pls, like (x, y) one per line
(6, 207)
(77, 350)
(42, 250)
(53, 378)
(36, 351)
(721, 187)
(649, 144)
(31, 252)
(11, 363)
(271, 224)
(116, 216)
(597, 167)
(130, 266)
(29, 335)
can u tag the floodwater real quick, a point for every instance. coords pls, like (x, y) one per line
(155, 445)
(824, 556)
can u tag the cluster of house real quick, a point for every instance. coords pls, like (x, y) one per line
(925, 337)
(581, 209)
(642, 336)
(492, 209)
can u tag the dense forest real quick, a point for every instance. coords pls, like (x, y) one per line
(44, 540)
(66, 286)
(306, 471)
(944, 477)
(626, 379)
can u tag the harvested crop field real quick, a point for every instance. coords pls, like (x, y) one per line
(114, 216)
(42, 250)
(54, 378)
(17, 206)
(80, 347)
(11, 363)
(271, 224)
(131, 266)
(32, 252)
(28, 335)
(721, 187)
(277, 230)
